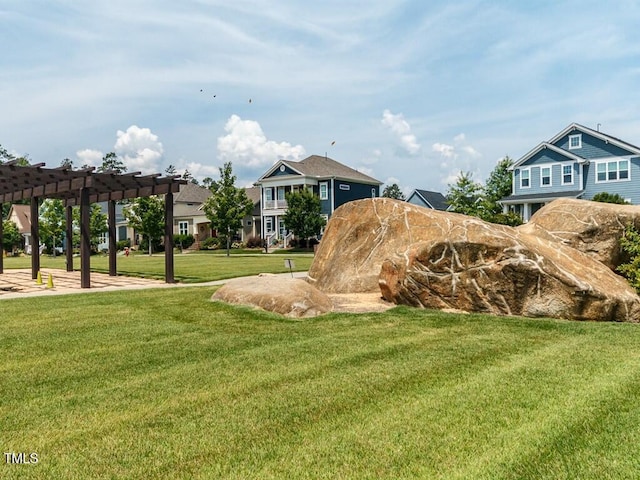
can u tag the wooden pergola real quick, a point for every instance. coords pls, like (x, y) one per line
(84, 187)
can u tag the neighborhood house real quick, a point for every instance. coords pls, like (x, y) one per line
(578, 162)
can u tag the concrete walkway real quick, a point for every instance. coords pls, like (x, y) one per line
(17, 283)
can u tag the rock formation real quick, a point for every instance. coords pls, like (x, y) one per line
(591, 227)
(292, 297)
(428, 258)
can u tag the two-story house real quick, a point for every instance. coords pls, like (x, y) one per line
(334, 182)
(578, 162)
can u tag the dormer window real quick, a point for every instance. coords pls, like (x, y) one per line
(575, 141)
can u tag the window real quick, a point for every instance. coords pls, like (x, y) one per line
(344, 186)
(567, 174)
(373, 193)
(268, 194)
(612, 171)
(545, 176)
(524, 178)
(324, 191)
(280, 193)
(268, 224)
(575, 141)
(183, 228)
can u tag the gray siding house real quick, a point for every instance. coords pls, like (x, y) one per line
(578, 162)
(334, 182)
(428, 199)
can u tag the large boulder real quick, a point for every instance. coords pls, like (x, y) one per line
(593, 228)
(291, 297)
(427, 258)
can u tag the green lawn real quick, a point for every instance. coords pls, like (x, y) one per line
(189, 268)
(166, 384)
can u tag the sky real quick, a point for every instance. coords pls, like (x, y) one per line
(411, 92)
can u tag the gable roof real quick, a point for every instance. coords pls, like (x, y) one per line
(320, 167)
(597, 134)
(192, 193)
(23, 216)
(437, 200)
(550, 146)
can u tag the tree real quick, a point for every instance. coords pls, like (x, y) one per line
(11, 237)
(67, 162)
(464, 195)
(498, 186)
(53, 222)
(630, 243)
(303, 216)
(393, 191)
(170, 170)
(605, 197)
(112, 163)
(227, 205)
(189, 177)
(97, 225)
(146, 215)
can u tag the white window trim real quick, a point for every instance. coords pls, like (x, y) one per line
(573, 174)
(579, 137)
(325, 186)
(606, 170)
(528, 170)
(183, 223)
(550, 184)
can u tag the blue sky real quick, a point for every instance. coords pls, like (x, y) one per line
(411, 92)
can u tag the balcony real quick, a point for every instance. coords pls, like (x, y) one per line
(274, 204)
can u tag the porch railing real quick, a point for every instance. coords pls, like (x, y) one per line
(274, 204)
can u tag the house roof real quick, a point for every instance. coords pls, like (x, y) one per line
(320, 167)
(22, 214)
(550, 146)
(597, 134)
(542, 197)
(253, 193)
(437, 200)
(192, 193)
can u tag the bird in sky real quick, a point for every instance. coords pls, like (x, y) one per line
(249, 100)
(333, 143)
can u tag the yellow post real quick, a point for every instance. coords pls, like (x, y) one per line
(39, 278)
(50, 281)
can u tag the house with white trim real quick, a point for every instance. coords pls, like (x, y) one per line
(577, 162)
(334, 182)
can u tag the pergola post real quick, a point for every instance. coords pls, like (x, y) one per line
(69, 237)
(35, 238)
(85, 239)
(113, 248)
(168, 239)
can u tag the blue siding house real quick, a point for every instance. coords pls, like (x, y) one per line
(334, 182)
(578, 162)
(428, 199)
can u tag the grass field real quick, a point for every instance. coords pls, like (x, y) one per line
(189, 268)
(158, 384)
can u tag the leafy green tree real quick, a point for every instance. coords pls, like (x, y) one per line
(5, 156)
(52, 222)
(304, 214)
(393, 191)
(171, 170)
(227, 205)
(146, 215)
(97, 225)
(112, 163)
(11, 237)
(605, 197)
(464, 195)
(498, 185)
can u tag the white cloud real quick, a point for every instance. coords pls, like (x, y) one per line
(459, 138)
(139, 149)
(246, 144)
(201, 171)
(398, 125)
(445, 150)
(93, 158)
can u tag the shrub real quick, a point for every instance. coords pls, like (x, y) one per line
(183, 241)
(122, 244)
(630, 243)
(605, 197)
(254, 242)
(236, 245)
(211, 243)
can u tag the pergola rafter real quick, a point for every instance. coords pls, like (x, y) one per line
(84, 187)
